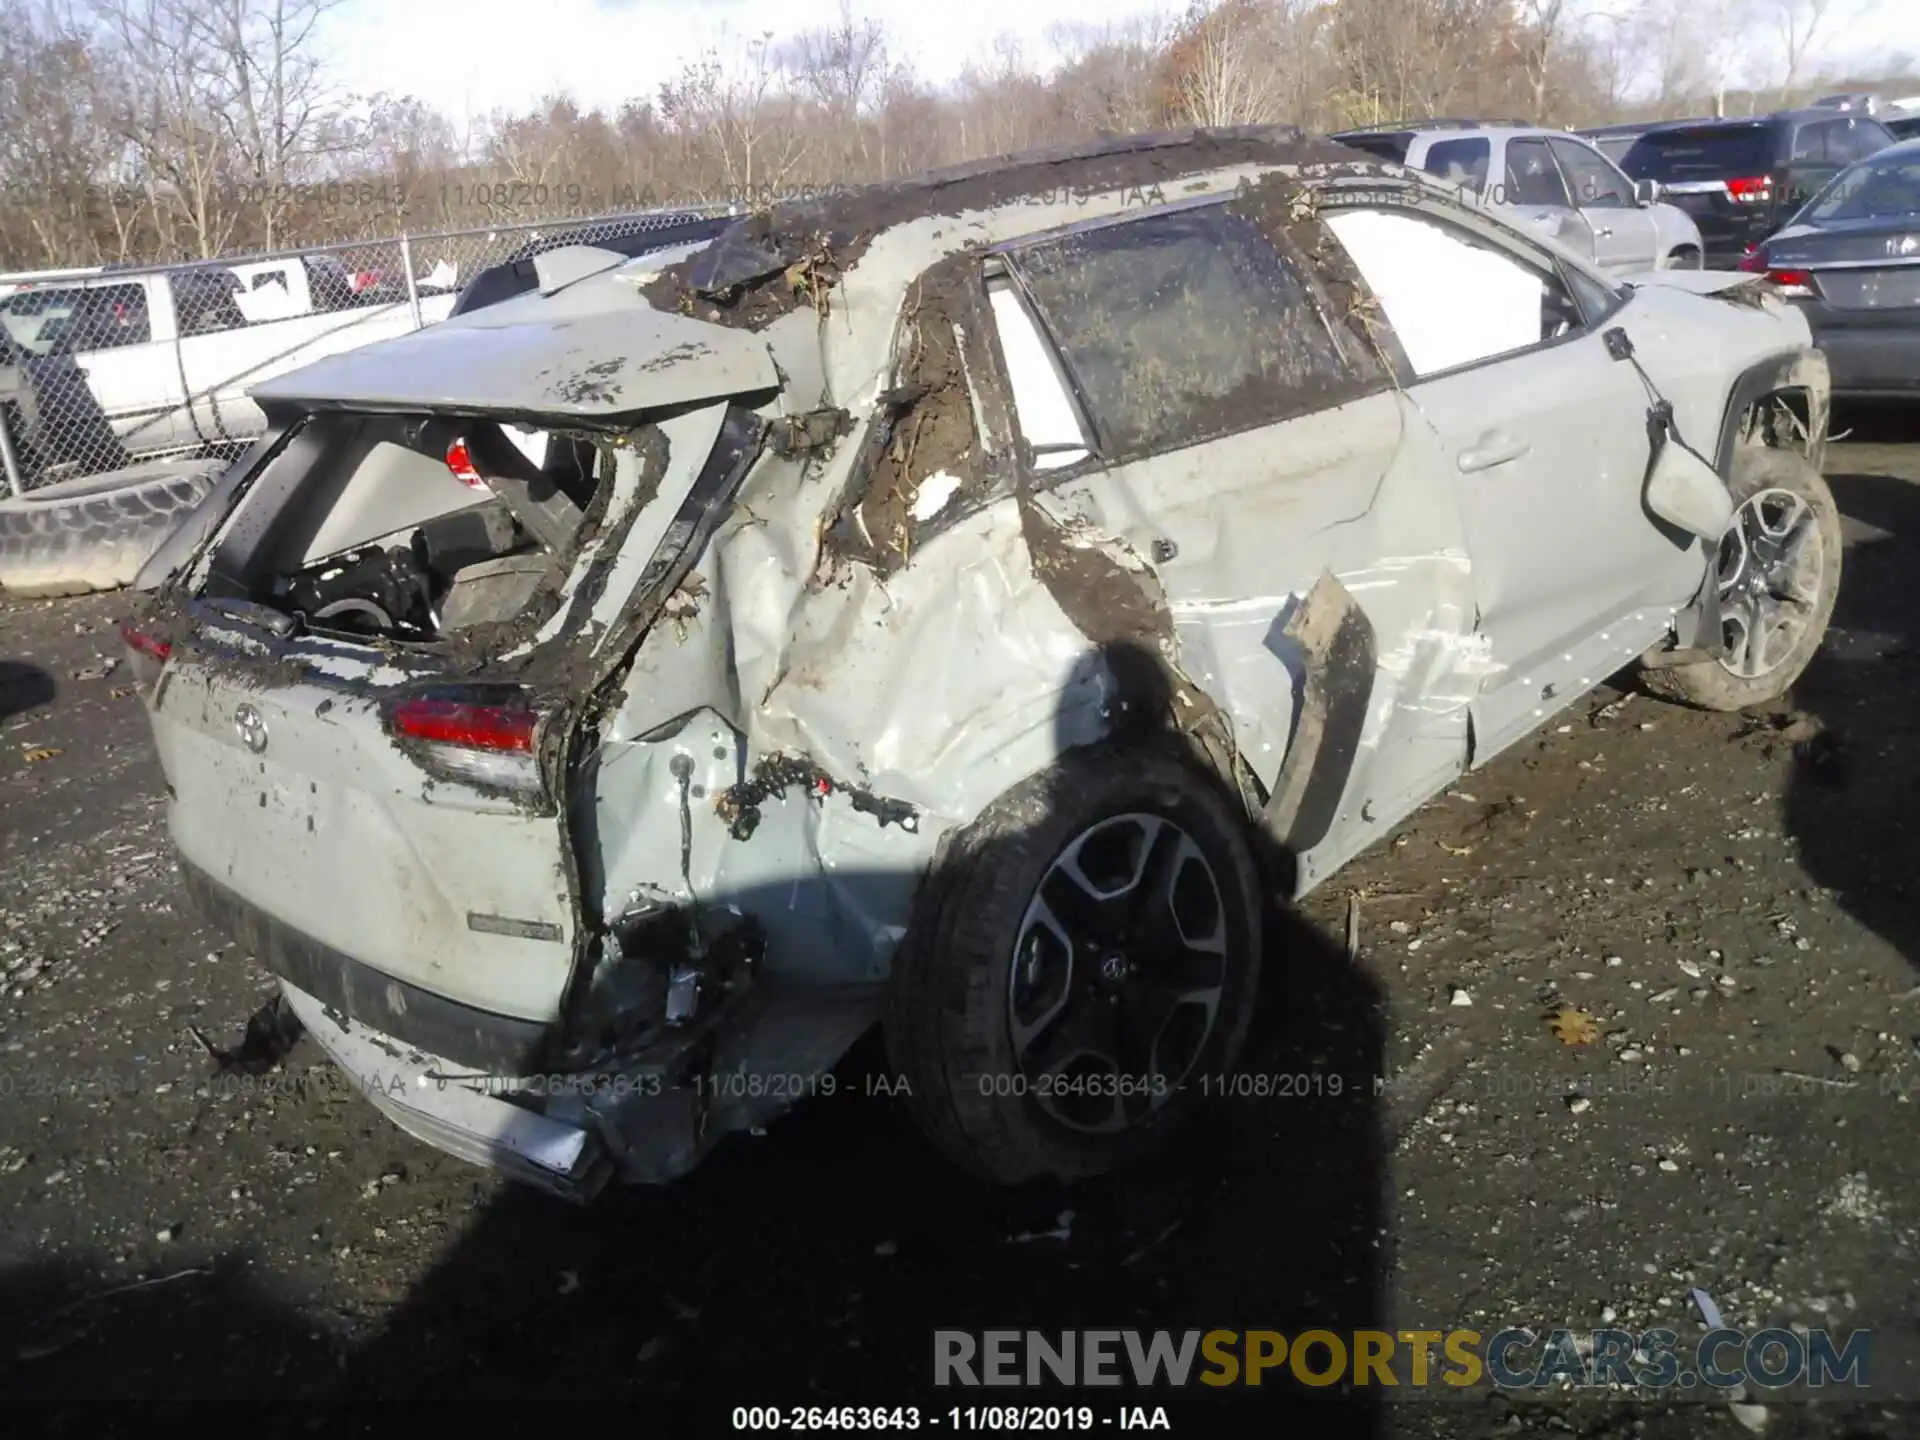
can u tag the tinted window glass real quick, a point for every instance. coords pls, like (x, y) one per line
(1869, 138)
(1387, 147)
(1461, 162)
(1181, 326)
(1814, 144)
(1532, 177)
(1595, 183)
(203, 303)
(73, 320)
(1718, 152)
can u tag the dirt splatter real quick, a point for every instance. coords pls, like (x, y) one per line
(744, 278)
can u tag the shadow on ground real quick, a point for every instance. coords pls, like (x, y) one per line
(813, 1266)
(1855, 793)
(23, 687)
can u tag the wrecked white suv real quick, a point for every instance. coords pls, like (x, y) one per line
(963, 604)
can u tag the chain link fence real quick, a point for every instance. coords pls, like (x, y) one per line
(103, 368)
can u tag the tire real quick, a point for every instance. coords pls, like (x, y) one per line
(952, 1003)
(95, 532)
(1760, 471)
(1685, 258)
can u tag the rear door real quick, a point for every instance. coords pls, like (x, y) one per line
(392, 801)
(1279, 457)
(1542, 436)
(1624, 240)
(385, 814)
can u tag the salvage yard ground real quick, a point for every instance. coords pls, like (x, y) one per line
(1729, 900)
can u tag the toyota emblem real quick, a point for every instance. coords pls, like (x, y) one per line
(252, 728)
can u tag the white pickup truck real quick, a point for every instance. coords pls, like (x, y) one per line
(168, 356)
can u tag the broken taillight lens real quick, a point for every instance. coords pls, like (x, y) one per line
(1751, 189)
(460, 462)
(146, 654)
(487, 743)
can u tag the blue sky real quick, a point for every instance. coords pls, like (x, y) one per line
(468, 57)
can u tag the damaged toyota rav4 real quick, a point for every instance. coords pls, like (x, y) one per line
(962, 605)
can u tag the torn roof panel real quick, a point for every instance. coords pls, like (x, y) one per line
(842, 224)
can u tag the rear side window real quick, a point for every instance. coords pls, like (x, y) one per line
(203, 304)
(1181, 326)
(1822, 143)
(1460, 162)
(1721, 152)
(74, 320)
(1869, 137)
(1532, 177)
(1387, 147)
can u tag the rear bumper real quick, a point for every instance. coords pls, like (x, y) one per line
(476, 1039)
(413, 1091)
(1871, 361)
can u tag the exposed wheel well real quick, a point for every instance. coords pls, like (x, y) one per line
(1781, 420)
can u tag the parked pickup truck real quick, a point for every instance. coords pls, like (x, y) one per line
(169, 356)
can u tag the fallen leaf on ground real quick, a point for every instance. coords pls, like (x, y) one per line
(1454, 849)
(1573, 1027)
(41, 752)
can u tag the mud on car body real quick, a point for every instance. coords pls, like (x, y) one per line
(963, 603)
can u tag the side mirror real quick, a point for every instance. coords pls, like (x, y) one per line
(1648, 192)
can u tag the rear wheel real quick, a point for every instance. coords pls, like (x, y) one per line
(1778, 570)
(1686, 257)
(1090, 943)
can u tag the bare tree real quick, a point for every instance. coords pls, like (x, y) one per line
(1224, 67)
(1540, 37)
(742, 107)
(269, 94)
(1798, 22)
(165, 106)
(163, 129)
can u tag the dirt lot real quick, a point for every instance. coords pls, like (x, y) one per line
(1730, 897)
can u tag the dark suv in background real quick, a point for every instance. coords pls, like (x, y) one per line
(1740, 180)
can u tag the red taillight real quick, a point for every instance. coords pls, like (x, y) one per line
(143, 644)
(1754, 262)
(467, 725)
(363, 279)
(1751, 189)
(1791, 279)
(460, 462)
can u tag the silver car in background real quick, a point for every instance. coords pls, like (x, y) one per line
(1556, 183)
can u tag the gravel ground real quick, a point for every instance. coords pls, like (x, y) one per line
(1729, 898)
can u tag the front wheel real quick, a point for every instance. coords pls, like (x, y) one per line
(1778, 571)
(1089, 948)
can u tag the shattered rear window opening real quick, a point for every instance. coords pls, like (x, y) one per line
(414, 528)
(1181, 325)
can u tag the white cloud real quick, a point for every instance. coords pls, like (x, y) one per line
(470, 57)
